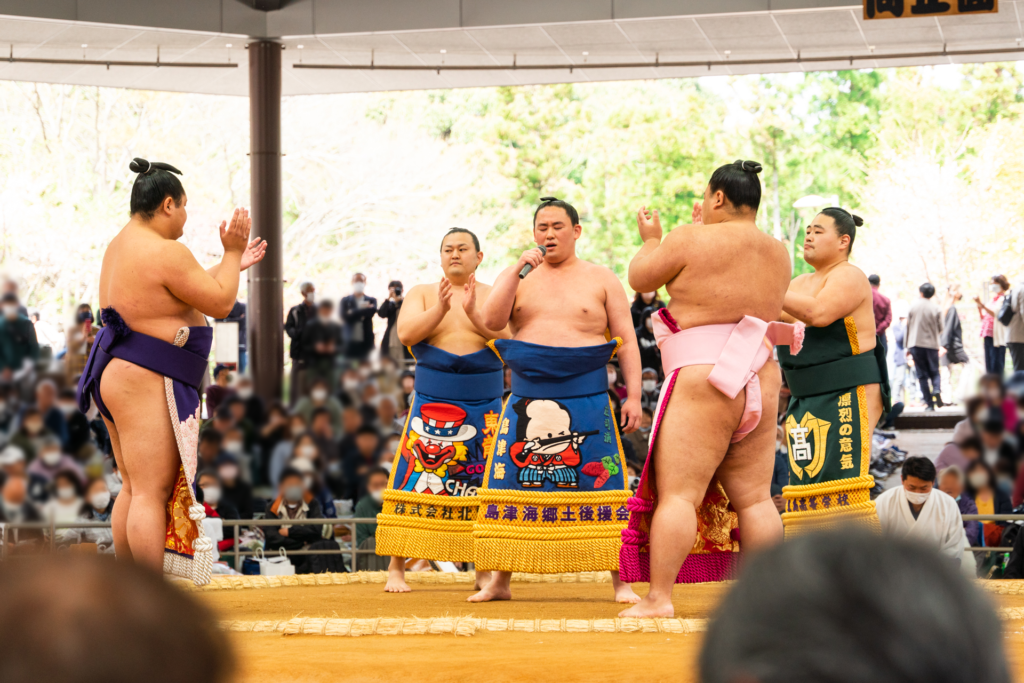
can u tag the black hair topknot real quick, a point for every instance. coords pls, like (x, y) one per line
(156, 181)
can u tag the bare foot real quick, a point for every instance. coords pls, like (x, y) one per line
(624, 593)
(491, 592)
(482, 579)
(396, 581)
(650, 608)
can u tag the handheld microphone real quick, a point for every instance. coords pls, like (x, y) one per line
(529, 266)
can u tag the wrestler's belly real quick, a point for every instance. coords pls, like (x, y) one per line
(552, 332)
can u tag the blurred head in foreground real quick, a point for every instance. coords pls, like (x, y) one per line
(853, 608)
(82, 619)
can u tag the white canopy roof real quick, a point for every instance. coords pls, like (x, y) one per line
(713, 36)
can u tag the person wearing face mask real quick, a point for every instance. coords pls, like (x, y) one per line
(640, 438)
(294, 327)
(993, 332)
(235, 491)
(78, 429)
(97, 507)
(295, 502)
(312, 479)
(390, 345)
(951, 482)
(357, 311)
(16, 508)
(255, 409)
(650, 354)
(51, 461)
(371, 504)
(983, 488)
(64, 505)
(12, 463)
(217, 505)
(53, 417)
(19, 347)
(320, 397)
(650, 388)
(641, 302)
(916, 510)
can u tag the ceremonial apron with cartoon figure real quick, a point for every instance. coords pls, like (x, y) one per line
(430, 502)
(554, 496)
(827, 428)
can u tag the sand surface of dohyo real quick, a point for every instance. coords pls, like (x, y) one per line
(485, 656)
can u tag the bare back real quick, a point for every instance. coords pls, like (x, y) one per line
(133, 282)
(455, 333)
(723, 272)
(565, 305)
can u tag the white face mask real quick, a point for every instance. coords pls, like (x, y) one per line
(307, 451)
(633, 482)
(65, 493)
(350, 384)
(649, 385)
(51, 458)
(387, 465)
(228, 472)
(310, 297)
(611, 379)
(245, 393)
(211, 494)
(68, 409)
(917, 498)
(978, 480)
(233, 446)
(994, 288)
(100, 500)
(308, 481)
(10, 311)
(377, 496)
(319, 395)
(358, 287)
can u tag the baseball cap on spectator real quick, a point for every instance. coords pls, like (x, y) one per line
(11, 455)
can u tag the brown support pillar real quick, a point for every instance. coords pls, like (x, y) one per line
(265, 312)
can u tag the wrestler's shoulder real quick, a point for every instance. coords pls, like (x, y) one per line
(850, 273)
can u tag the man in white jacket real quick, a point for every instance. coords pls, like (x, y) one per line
(916, 510)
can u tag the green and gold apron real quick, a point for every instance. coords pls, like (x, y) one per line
(827, 428)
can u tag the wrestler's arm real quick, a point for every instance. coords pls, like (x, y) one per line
(844, 290)
(213, 296)
(415, 321)
(472, 292)
(620, 324)
(658, 260)
(497, 311)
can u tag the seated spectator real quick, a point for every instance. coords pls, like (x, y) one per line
(916, 510)
(65, 505)
(641, 437)
(370, 505)
(275, 430)
(219, 390)
(390, 450)
(615, 381)
(319, 397)
(236, 407)
(360, 460)
(222, 420)
(951, 482)
(51, 461)
(282, 456)
(387, 415)
(349, 386)
(323, 433)
(992, 390)
(12, 462)
(8, 413)
(233, 442)
(321, 340)
(31, 432)
(788, 617)
(53, 418)
(996, 440)
(217, 506)
(988, 497)
(16, 508)
(650, 354)
(649, 388)
(79, 431)
(314, 483)
(113, 477)
(255, 411)
(210, 443)
(633, 471)
(97, 507)
(235, 490)
(407, 382)
(295, 502)
(297, 423)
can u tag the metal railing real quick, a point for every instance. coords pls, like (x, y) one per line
(237, 524)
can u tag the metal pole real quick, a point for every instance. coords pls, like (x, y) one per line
(3, 541)
(266, 309)
(352, 545)
(238, 558)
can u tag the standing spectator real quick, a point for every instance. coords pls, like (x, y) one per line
(901, 381)
(951, 482)
(390, 346)
(357, 312)
(219, 390)
(883, 311)
(993, 332)
(79, 342)
(53, 418)
(237, 315)
(641, 301)
(952, 339)
(322, 339)
(924, 330)
(371, 505)
(917, 511)
(294, 326)
(650, 354)
(19, 348)
(1015, 329)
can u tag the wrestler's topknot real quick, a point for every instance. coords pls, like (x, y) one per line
(156, 181)
(739, 183)
(846, 223)
(545, 202)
